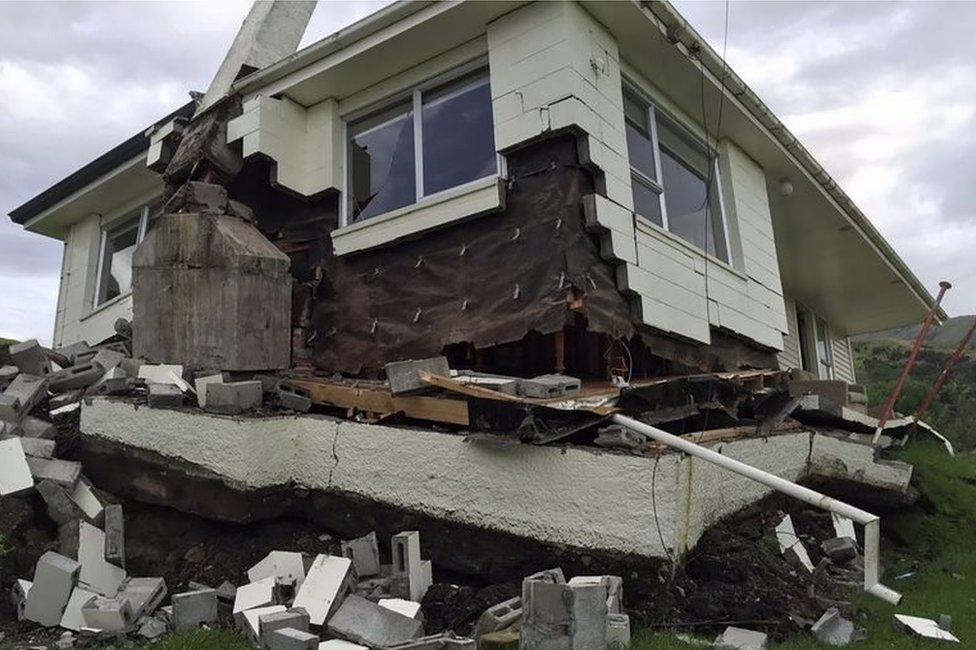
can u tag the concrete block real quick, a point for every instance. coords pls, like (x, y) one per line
(109, 614)
(843, 526)
(500, 616)
(7, 374)
(840, 550)
(131, 367)
(37, 428)
(81, 375)
(296, 619)
(60, 508)
(790, 545)
(115, 535)
(408, 608)
(249, 621)
(294, 399)
(326, 583)
(65, 401)
(96, 574)
(409, 579)
(29, 357)
(549, 575)
(404, 377)
(15, 472)
(165, 396)
(68, 534)
(201, 383)
(549, 386)
(69, 351)
(37, 447)
(364, 553)
(444, 641)
(564, 616)
(291, 639)
(234, 397)
(194, 608)
(73, 619)
(108, 359)
(833, 629)
(18, 596)
(54, 580)
(618, 631)
(340, 644)
(145, 595)
(226, 591)
(737, 638)
(113, 382)
(163, 374)
(152, 627)
(287, 567)
(62, 472)
(85, 498)
(614, 586)
(255, 595)
(619, 437)
(362, 621)
(83, 356)
(23, 394)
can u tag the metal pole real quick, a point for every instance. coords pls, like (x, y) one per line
(871, 523)
(910, 363)
(949, 365)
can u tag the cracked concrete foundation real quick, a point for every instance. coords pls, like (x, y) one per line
(573, 497)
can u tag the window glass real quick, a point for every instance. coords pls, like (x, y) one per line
(381, 163)
(647, 202)
(825, 360)
(640, 144)
(458, 134)
(120, 244)
(694, 212)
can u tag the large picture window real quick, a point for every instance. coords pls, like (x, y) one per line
(674, 177)
(439, 138)
(119, 241)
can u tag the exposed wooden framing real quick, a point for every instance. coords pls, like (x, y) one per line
(378, 401)
(721, 435)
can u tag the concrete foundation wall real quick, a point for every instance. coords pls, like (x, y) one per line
(576, 497)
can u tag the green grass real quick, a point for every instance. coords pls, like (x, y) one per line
(200, 640)
(935, 541)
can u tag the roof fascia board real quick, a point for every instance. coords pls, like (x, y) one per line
(666, 17)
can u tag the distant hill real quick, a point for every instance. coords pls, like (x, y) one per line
(947, 336)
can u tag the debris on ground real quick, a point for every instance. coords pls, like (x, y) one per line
(923, 627)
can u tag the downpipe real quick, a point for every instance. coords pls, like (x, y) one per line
(871, 523)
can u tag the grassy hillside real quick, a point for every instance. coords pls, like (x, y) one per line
(878, 364)
(946, 336)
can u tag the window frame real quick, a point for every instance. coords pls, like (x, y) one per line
(658, 185)
(142, 219)
(810, 341)
(415, 94)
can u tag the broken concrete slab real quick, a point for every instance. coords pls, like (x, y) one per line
(833, 629)
(73, 619)
(152, 627)
(840, 550)
(108, 614)
(29, 357)
(18, 596)
(296, 619)
(408, 608)
(737, 638)
(790, 544)
(144, 595)
(85, 498)
(362, 621)
(923, 627)
(60, 507)
(22, 395)
(115, 535)
(194, 608)
(404, 376)
(364, 553)
(232, 398)
(165, 396)
(96, 574)
(255, 595)
(54, 580)
(287, 567)
(37, 447)
(843, 526)
(327, 581)
(201, 383)
(15, 472)
(443, 641)
(63, 472)
(37, 428)
(291, 639)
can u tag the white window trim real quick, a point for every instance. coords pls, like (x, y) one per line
(415, 94)
(140, 235)
(658, 185)
(814, 320)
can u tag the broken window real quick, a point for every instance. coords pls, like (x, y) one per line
(119, 242)
(674, 177)
(439, 138)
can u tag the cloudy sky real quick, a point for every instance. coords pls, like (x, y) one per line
(884, 94)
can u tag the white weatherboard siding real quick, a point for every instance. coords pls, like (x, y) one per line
(790, 356)
(843, 358)
(576, 496)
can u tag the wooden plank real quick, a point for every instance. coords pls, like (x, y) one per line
(434, 409)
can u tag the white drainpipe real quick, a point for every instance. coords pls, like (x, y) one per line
(871, 523)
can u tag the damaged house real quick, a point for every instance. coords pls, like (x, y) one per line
(579, 192)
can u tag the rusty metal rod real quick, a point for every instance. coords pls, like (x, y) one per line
(910, 363)
(949, 365)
